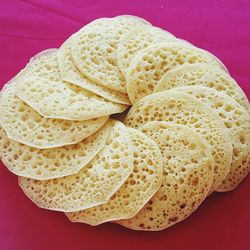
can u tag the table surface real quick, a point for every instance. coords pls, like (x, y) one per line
(27, 27)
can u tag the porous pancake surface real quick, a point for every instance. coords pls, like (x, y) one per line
(141, 185)
(137, 40)
(237, 123)
(178, 107)
(150, 65)
(91, 186)
(23, 124)
(94, 50)
(40, 86)
(203, 75)
(187, 177)
(42, 164)
(70, 73)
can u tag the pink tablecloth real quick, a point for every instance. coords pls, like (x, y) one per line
(27, 27)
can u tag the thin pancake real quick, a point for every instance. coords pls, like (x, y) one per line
(150, 65)
(203, 75)
(187, 177)
(44, 164)
(94, 50)
(91, 186)
(175, 106)
(141, 185)
(137, 40)
(237, 123)
(25, 125)
(41, 87)
(71, 74)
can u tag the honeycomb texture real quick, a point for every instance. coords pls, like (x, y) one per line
(71, 74)
(187, 177)
(40, 86)
(94, 50)
(203, 75)
(237, 123)
(25, 125)
(150, 65)
(137, 40)
(42, 164)
(141, 185)
(92, 185)
(181, 108)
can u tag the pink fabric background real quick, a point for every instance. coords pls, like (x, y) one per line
(27, 27)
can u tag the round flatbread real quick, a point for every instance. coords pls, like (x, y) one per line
(237, 123)
(25, 125)
(203, 75)
(71, 74)
(150, 65)
(178, 107)
(137, 40)
(141, 185)
(44, 164)
(94, 50)
(91, 186)
(41, 87)
(187, 177)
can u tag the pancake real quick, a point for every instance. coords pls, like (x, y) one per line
(94, 50)
(187, 177)
(141, 185)
(41, 87)
(177, 107)
(150, 65)
(203, 75)
(71, 74)
(237, 123)
(92, 185)
(43, 164)
(137, 40)
(25, 125)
